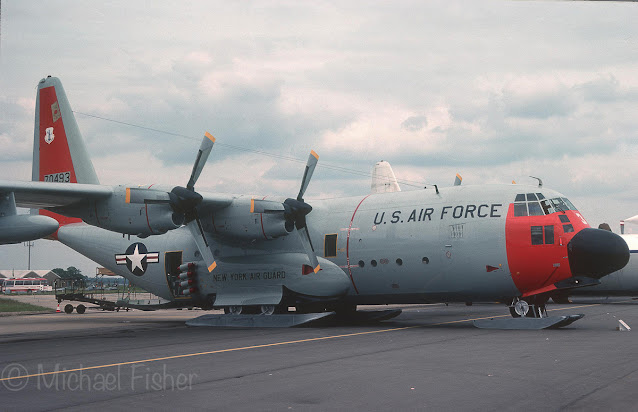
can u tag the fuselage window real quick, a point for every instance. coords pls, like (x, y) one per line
(568, 228)
(549, 235)
(373, 263)
(563, 218)
(537, 235)
(330, 245)
(425, 260)
(361, 263)
(520, 209)
(535, 209)
(399, 261)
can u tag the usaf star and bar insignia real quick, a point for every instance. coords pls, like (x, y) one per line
(137, 258)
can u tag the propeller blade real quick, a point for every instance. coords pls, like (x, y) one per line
(458, 180)
(265, 206)
(310, 168)
(195, 227)
(200, 161)
(304, 236)
(146, 196)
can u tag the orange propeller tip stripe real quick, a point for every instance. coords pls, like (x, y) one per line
(252, 205)
(210, 136)
(312, 152)
(212, 266)
(128, 195)
(317, 269)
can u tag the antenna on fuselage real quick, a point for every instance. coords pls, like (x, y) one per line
(540, 182)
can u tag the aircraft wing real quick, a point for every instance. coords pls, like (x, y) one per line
(212, 202)
(48, 194)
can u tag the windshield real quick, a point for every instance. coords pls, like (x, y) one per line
(562, 204)
(535, 204)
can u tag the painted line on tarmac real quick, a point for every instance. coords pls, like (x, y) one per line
(266, 345)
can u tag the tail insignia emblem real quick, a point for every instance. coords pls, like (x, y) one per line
(55, 111)
(49, 136)
(137, 258)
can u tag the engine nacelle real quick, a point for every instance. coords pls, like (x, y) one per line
(236, 221)
(130, 218)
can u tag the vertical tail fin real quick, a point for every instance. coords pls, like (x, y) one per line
(59, 154)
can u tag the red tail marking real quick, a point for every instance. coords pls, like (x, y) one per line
(55, 157)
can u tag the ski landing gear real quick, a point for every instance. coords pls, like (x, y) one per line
(529, 313)
(532, 308)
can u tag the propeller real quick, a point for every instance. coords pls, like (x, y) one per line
(295, 211)
(183, 201)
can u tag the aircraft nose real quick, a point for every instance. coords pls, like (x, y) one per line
(595, 253)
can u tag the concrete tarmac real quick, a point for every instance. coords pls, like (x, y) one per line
(429, 357)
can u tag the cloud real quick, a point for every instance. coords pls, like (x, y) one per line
(434, 88)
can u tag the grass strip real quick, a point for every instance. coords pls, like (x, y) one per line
(10, 305)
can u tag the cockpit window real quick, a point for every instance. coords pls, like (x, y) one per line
(520, 209)
(563, 218)
(540, 196)
(531, 196)
(559, 204)
(569, 204)
(547, 207)
(535, 209)
(520, 197)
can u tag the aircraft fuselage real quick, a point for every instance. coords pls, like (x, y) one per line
(461, 244)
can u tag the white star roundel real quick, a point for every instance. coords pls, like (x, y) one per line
(137, 258)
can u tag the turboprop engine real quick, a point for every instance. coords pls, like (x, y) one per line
(142, 220)
(238, 221)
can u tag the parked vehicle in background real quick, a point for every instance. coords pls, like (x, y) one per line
(21, 285)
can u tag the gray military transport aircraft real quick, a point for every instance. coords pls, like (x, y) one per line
(509, 243)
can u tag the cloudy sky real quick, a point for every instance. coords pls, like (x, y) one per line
(493, 90)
